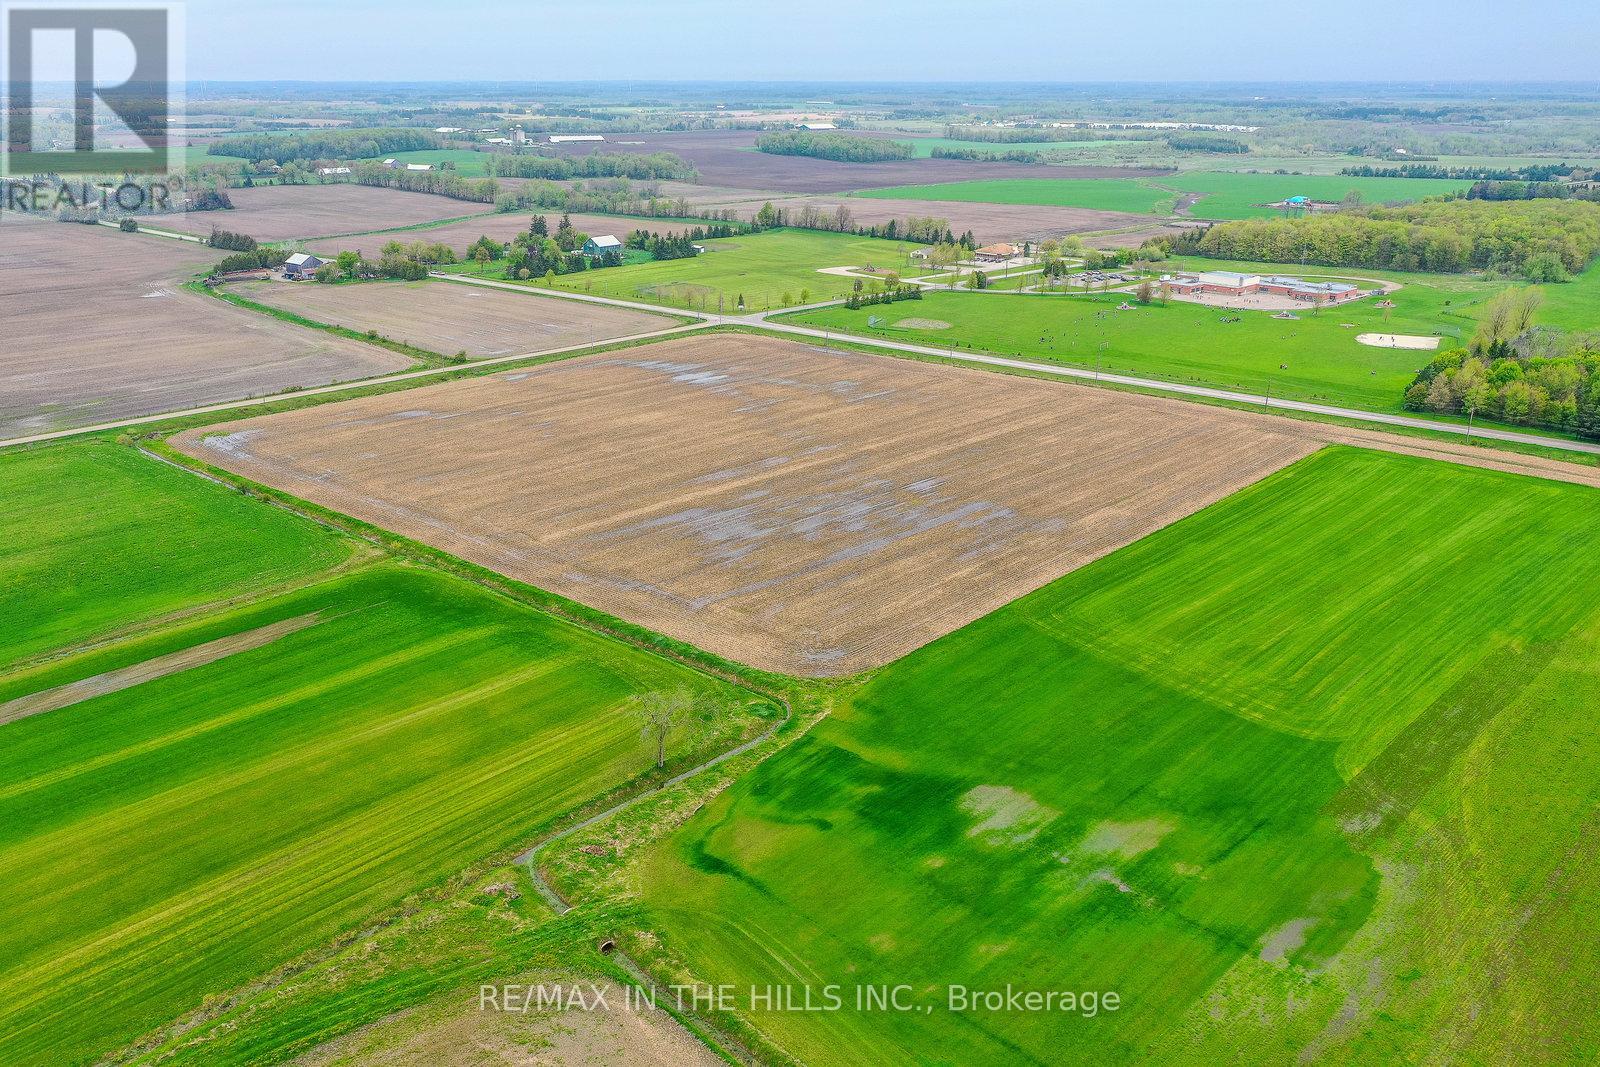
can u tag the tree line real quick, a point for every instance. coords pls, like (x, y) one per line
(324, 144)
(1015, 155)
(1542, 240)
(1541, 172)
(438, 182)
(616, 196)
(921, 229)
(1519, 190)
(840, 147)
(651, 167)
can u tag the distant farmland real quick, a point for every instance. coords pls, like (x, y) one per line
(98, 327)
(288, 212)
(1224, 195)
(1306, 771)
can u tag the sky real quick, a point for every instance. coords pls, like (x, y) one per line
(893, 40)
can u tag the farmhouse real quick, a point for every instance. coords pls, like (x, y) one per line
(996, 253)
(599, 246)
(301, 265)
(329, 172)
(419, 166)
(1233, 284)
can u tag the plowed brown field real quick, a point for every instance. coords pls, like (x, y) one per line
(447, 318)
(96, 326)
(795, 508)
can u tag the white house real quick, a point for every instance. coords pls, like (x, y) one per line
(575, 138)
(329, 172)
(419, 166)
(818, 126)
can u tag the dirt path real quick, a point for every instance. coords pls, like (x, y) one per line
(63, 696)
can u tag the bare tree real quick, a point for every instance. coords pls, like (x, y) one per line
(660, 714)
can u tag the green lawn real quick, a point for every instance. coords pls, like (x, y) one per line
(1306, 772)
(80, 564)
(1573, 305)
(1190, 343)
(172, 840)
(926, 145)
(774, 269)
(1228, 195)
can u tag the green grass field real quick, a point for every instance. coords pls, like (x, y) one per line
(926, 145)
(1191, 343)
(1227, 195)
(170, 840)
(80, 566)
(1241, 196)
(466, 162)
(1101, 194)
(774, 269)
(1301, 774)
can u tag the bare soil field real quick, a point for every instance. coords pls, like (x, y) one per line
(452, 1033)
(501, 227)
(1132, 238)
(285, 212)
(728, 158)
(448, 318)
(96, 327)
(792, 507)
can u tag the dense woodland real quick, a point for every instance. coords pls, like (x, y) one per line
(840, 147)
(324, 144)
(1517, 372)
(1543, 240)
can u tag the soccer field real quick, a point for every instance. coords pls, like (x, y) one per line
(1300, 772)
(1315, 357)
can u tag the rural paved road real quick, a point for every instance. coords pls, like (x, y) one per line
(760, 319)
(337, 387)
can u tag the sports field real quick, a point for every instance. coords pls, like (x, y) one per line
(778, 268)
(1315, 357)
(215, 792)
(1307, 774)
(1224, 195)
